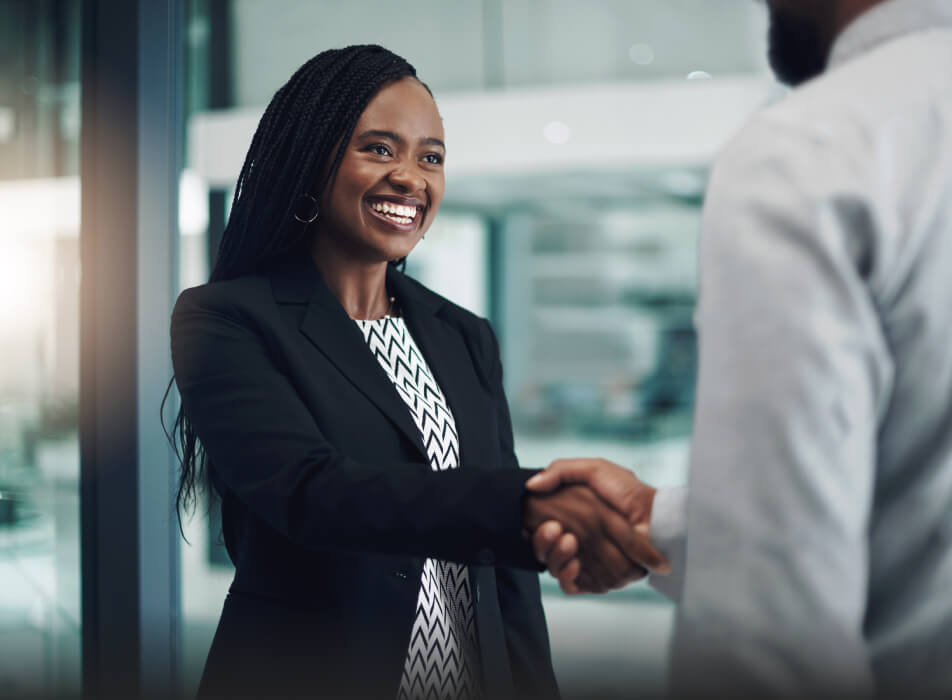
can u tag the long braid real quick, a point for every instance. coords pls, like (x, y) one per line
(273, 164)
(315, 110)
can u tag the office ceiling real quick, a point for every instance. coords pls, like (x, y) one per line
(468, 45)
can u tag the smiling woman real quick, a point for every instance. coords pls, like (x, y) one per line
(387, 188)
(353, 422)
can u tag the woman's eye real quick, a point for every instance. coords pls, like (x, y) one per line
(379, 149)
(433, 158)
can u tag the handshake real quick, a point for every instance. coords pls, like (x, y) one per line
(589, 523)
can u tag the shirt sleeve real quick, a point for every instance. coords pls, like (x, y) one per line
(668, 530)
(793, 374)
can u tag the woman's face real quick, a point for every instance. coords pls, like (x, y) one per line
(390, 180)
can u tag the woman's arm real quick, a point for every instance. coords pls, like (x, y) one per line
(269, 453)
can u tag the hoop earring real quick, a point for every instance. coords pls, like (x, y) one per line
(314, 204)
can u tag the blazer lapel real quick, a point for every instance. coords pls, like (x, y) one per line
(335, 334)
(449, 359)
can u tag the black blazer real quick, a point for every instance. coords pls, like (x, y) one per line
(329, 505)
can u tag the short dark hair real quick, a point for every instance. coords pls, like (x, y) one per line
(293, 146)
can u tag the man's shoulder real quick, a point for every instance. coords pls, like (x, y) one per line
(819, 126)
(862, 100)
(839, 129)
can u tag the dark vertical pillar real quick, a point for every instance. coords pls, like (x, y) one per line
(220, 96)
(217, 204)
(130, 78)
(494, 282)
(108, 426)
(220, 84)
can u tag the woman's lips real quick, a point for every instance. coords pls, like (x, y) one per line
(398, 216)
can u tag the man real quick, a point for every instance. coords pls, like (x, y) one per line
(819, 503)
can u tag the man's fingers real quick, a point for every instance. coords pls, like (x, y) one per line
(601, 557)
(567, 577)
(544, 539)
(637, 574)
(635, 543)
(602, 563)
(562, 553)
(585, 581)
(617, 567)
(588, 583)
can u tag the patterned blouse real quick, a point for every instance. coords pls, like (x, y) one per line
(442, 658)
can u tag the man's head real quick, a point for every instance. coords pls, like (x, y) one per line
(802, 33)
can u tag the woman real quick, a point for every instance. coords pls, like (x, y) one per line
(352, 421)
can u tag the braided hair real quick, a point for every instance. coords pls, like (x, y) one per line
(313, 114)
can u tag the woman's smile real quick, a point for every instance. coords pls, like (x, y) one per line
(397, 212)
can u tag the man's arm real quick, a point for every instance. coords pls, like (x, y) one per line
(794, 373)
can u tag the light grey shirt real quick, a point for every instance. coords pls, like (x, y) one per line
(818, 559)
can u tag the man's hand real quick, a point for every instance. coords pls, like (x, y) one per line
(554, 541)
(610, 553)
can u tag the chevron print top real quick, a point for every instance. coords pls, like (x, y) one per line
(442, 659)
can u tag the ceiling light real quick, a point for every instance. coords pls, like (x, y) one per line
(557, 132)
(641, 54)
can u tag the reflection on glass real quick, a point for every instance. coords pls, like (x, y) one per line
(39, 337)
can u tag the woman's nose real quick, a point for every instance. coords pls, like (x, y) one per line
(407, 178)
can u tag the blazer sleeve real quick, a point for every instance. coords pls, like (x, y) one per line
(268, 451)
(520, 598)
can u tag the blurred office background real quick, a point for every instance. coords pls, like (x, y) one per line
(579, 136)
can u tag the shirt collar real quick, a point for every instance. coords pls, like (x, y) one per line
(887, 21)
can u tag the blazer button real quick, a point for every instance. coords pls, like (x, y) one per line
(486, 556)
(400, 574)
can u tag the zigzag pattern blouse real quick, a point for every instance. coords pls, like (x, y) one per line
(442, 657)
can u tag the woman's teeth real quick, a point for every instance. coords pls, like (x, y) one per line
(396, 212)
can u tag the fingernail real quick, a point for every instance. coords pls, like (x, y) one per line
(536, 483)
(663, 569)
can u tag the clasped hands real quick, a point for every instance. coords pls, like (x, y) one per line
(589, 522)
